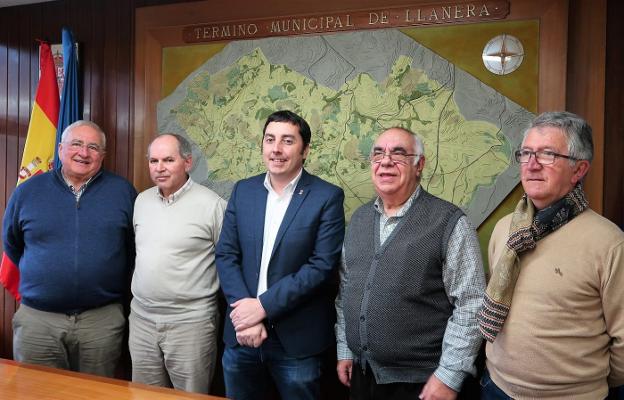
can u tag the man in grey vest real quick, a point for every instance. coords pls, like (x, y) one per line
(411, 284)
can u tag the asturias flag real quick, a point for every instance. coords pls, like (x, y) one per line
(70, 102)
(40, 144)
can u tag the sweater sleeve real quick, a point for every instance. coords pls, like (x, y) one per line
(612, 301)
(130, 243)
(12, 235)
(216, 218)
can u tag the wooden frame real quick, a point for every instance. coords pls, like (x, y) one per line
(161, 26)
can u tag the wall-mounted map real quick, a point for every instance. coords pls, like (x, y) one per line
(349, 87)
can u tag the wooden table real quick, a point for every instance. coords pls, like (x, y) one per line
(32, 382)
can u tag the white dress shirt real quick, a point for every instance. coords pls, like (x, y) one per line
(276, 207)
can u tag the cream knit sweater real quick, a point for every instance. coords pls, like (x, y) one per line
(175, 277)
(564, 336)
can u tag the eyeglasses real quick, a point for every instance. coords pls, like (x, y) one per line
(543, 157)
(396, 157)
(77, 145)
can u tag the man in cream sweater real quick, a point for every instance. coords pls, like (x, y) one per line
(174, 316)
(553, 313)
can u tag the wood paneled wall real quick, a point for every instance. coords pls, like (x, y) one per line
(613, 196)
(105, 31)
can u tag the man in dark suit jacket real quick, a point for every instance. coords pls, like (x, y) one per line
(279, 248)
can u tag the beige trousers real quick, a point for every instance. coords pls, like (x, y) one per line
(180, 355)
(86, 342)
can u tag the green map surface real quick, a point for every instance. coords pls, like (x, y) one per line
(349, 87)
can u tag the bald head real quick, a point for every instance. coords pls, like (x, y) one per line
(167, 165)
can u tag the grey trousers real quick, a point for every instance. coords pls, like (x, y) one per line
(86, 342)
(180, 355)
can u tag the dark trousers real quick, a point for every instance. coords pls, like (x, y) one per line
(247, 372)
(489, 390)
(364, 387)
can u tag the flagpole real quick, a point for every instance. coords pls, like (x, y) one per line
(70, 99)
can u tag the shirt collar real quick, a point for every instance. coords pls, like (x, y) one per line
(404, 208)
(288, 189)
(71, 187)
(174, 196)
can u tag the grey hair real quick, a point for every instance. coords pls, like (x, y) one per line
(184, 146)
(577, 131)
(82, 122)
(419, 147)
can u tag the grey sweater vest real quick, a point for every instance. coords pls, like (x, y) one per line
(394, 301)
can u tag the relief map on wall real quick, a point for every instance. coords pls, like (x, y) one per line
(349, 87)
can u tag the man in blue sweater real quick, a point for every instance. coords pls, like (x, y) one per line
(70, 233)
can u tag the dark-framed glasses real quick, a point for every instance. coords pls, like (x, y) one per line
(398, 157)
(543, 157)
(77, 145)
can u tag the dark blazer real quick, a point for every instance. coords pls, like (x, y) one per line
(300, 295)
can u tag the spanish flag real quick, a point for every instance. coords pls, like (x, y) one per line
(40, 144)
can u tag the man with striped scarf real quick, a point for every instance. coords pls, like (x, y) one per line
(552, 313)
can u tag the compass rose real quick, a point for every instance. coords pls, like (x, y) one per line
(503, 54)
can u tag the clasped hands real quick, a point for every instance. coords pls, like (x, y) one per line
(247, 316)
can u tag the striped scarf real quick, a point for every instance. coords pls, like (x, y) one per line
(527, 227)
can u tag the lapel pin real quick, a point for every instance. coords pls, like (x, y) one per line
(300, 192)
